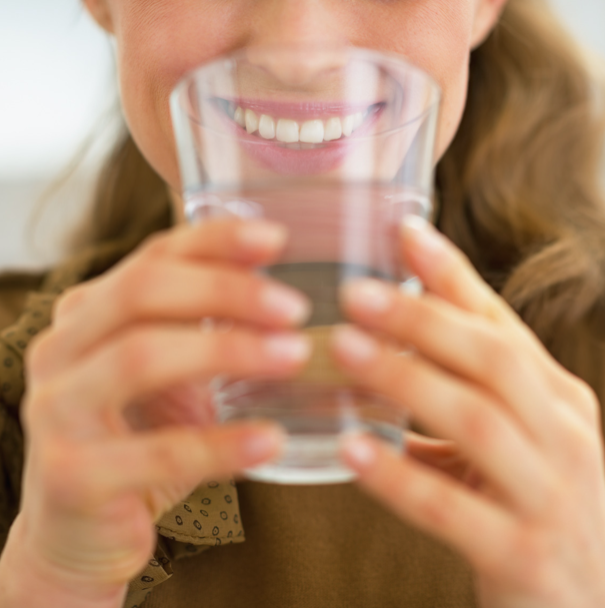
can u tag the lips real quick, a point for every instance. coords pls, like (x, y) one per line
(297, 138)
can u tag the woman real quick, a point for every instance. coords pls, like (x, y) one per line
(115, 439)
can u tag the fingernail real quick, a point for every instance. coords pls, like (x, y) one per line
(261, 235)
(354, 345)
(424, 233)
(358, 451)
(285, 303)
(413, 287)
(288, 348)
(259, 445)
(368, 294)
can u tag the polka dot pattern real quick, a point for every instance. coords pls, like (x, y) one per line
(157, 571)
(211, 512)
(209, 517)
(179, 550)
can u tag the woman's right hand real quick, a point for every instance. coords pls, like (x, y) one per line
(116, 424)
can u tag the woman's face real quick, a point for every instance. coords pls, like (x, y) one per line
(159, 41)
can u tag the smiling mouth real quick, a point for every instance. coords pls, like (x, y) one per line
(262, 121)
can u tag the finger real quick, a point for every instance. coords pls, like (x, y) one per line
(441, 455)
(433, 502)
(145, 359)
(175, 457)
(250, 243)
(168, 291)
(425, 442)
(519, 375)
(254, 242)
(418, 446)
(447, 273)
(220, 240)
(454, 410)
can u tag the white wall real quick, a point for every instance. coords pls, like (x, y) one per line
(56, 82)
(586, 19)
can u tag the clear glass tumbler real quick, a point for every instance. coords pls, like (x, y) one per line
(337, 144)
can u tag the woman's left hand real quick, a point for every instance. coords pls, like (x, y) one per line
(530, 517)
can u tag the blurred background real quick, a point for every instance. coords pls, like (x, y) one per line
(57, 90)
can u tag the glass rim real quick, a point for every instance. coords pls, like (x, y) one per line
(386, 58)
(377, 56)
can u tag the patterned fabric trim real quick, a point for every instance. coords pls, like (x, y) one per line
(157, 571)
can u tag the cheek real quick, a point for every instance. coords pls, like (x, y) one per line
(161, 41)
(155, 51)
(436, 36)
(455, 87)
(444, 51)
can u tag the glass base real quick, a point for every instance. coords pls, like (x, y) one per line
(306, 460)
(315, 420)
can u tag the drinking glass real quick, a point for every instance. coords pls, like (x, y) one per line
(337, 144)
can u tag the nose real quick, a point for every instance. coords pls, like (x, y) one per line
(302, 25)
(298, 65)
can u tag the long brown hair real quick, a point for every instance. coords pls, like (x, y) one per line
(519, 187)
(520, 184)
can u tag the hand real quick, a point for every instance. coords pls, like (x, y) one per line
(444, 456)
(530, 518)
(117, 425)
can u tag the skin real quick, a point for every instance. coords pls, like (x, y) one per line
(521, 459)
(436, 35)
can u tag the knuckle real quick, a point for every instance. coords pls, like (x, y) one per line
(132, 288)
(245, 352)
(580, 396)
(587, 399)
(71, 299)
(220, 282)
(135, 355)
(498, 356)
(582, 448)
(40, 405)
(478, 424)
(236, 350)
(238, 292)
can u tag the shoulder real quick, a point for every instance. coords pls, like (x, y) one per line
(18, 288)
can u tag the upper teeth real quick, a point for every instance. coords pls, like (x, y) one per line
(290, 131)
